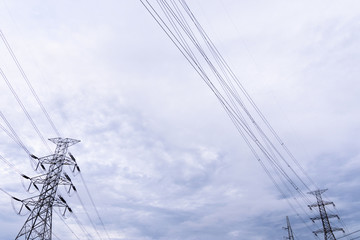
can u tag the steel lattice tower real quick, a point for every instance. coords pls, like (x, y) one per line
(324, 217)
(39, 223)
(289, 229)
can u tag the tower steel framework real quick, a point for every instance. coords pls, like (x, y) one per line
(289, 229)
(38, 225)
(327, 230)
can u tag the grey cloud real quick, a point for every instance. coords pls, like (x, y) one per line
(159, 155)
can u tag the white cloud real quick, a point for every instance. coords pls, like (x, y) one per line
(159, 155)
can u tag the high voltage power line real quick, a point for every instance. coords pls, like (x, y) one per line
(12, 134)
(23, 74)
(184, 30)
(187, 34)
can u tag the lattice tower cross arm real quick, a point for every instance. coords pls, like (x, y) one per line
(327, 229)
(39, 223)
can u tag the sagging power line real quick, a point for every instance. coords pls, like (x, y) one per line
(35, 181)
(179, 23)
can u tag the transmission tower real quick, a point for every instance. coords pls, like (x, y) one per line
(289, 229)
(327, 230)
(39, 223)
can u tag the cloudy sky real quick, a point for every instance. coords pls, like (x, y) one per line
(159, 155)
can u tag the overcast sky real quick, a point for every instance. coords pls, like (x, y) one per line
(160, 156)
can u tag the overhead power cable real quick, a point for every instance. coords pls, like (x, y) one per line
(1, 189)
(93, 204)
(180, 24)
(67, 225)
(11, 165)
(19, 142)
(87, 234)
(229, 87)
(13, 134)
(229, 104)
(55, 236)
(348, 234)
(13, 56)
(87, 214)
(24, 109)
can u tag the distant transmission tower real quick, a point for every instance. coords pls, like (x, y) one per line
(324, 217)
(289, 229)
(38, 225)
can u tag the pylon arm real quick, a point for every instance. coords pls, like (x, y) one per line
(68, 141)
(333, 216)
(25, 203)
(60, 202)
(66, 180)
(338, 229)
(40, 179)
(69, 161)
(333, 229)
(318, 231)
(315, 218)
(317, 205)
(329, 216)
(37, 179)
(50, 160)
